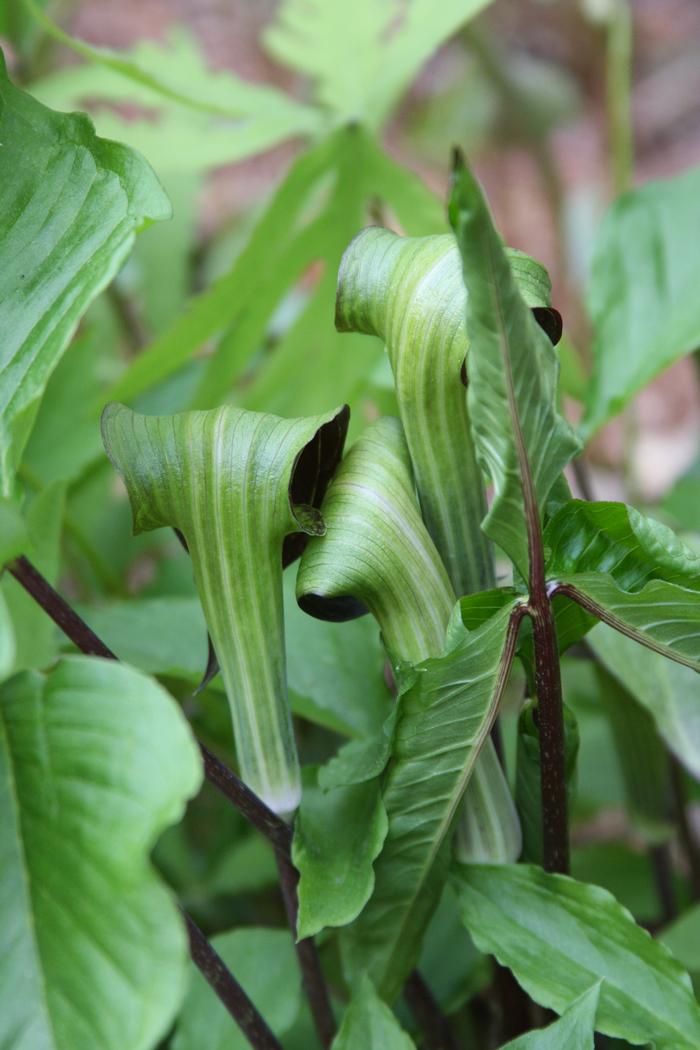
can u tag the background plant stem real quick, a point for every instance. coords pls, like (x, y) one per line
(618, 61)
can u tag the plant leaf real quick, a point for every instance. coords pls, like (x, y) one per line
(641, 296)
(362, 66)
(229, 480)
(574, 1029)
(444, 718)
(264, 963)
(338, 834)
(96, 194)
(559, 936)
(368, 1022)
(668, 691)
(95, 761)
(513, 372)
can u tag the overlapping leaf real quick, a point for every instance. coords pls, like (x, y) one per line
(95, 761)
(574, 1029)
(368, 1022)
(72, 203)
(560, 936)
(513, 372)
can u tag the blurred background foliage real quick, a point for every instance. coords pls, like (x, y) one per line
(278, 131)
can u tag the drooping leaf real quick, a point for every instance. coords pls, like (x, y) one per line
(682, 937)
(522, 442)
(95, 761)
(444, 718)
(368, 1022)
(96, 194)
(338, 834)
(668, 691)
(574, 1029)
(361, 66)
(230, 482)
(640, 295)
(560, 936)
(264, 963)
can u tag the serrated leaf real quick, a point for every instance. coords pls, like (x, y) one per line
(95, 761)
(263, 962)
(361, 66)
(96, 194)
(641, 296)
(228, 480)
(574, 1029)
(368, 1022)
(444, 719)
(560, 936)
(338, 834)
(668, 691)
(522, 441)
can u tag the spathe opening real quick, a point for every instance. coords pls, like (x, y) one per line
(337, 609)
(311, 474)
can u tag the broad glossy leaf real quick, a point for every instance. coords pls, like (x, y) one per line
(368, 1022)
(641, 296)
(338, 834)
(574, 1029)
(409, 292)
(522, 441)
(239, 486)
(628, 570)
(559, 936)
(96, 194)
(668, 691)
(264, 963)
(95, 761)
(445, 715)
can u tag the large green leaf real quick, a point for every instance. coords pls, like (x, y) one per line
(362, 65)
(338, 834)
(239, 486)
(629, 570)
(368, 1022)
(445, 715)
(72, 203)
(668, 691)
(559, 937)
(574, 1030)
(264, 963)
(95, 761)
(641, 294)
(522, 442)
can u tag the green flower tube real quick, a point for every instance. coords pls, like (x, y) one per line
(244, 490)
(377, 556)
(409, 291)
